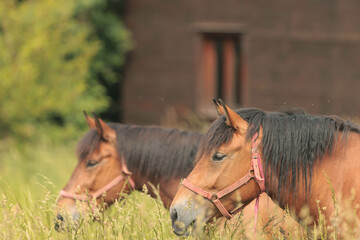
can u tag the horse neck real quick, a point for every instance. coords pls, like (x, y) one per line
(163, 188)
(340, 168)
(167, 185)
(293, 202)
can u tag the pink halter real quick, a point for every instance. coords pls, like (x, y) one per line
(125, 175)
(256, 172)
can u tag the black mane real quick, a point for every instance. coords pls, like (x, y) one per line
(292, 142)
(152, 152)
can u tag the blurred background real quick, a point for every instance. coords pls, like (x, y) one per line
(267, 54)
(160, 62)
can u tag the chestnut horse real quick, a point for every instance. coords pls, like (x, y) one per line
(115, 158)
(291, 156)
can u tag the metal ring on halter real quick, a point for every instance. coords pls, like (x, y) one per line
(214, 197)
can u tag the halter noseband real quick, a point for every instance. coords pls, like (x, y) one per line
(125, 175)
(256, 172)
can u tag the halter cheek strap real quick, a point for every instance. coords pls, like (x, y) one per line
(256, 172)
(125, 175)
(257, 165)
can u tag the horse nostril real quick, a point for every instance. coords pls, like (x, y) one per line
(58, 223)
(59, 218)
(173, 215)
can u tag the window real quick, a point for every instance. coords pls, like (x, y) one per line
(221, 72)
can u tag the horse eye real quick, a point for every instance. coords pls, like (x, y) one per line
(217, 157)
(91, 163)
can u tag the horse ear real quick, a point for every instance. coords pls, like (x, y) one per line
(90, 121)
(104, 130)
(218, 107)
(233, 119)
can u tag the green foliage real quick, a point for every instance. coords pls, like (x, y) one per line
(112, 35)
(107, 65)
(52, 54)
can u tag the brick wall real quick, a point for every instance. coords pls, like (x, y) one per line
(302, 53)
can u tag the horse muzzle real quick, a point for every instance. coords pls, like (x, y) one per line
(186, 214)
(68, 213)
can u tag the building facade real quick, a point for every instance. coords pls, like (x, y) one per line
(265, 54)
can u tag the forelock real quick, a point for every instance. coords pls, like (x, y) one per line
(87, 144)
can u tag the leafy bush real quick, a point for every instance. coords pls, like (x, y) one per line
(104, 17)
(51, 57)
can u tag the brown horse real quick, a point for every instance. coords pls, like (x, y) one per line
(299, 153)
(112, 155)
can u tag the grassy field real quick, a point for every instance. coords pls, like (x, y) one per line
(33, 172)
